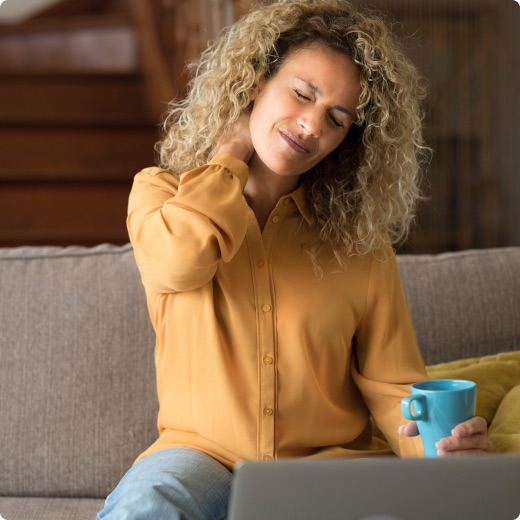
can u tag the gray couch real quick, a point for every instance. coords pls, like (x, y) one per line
(77, 389)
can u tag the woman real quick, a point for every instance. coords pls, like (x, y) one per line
(264, 244)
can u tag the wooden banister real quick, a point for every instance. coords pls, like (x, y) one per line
(172, 34)
(160, 85)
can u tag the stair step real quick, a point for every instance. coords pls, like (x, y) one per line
(72, 98)
(74, 127)
(75, 8)
(63, 214)
(89, 45)
(111, 152)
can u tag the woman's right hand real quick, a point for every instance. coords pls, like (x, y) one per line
(237, 141)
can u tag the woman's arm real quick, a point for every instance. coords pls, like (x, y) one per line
(387, 355)
(181, 228)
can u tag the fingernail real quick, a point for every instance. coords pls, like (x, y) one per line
(459, 431)
(443, 444)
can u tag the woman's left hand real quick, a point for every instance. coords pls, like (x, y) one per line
(467, 438)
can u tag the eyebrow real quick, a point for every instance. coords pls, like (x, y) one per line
(340, 108)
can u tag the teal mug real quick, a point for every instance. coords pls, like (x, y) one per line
(437, 406)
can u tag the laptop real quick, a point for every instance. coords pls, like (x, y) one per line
(483, 487)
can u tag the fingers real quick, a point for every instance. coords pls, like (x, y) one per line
(409, 429)
(468, 438)
(237, 141)
(475, 445)
(474, 426)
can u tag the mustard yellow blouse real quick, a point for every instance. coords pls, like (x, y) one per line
(256, 357)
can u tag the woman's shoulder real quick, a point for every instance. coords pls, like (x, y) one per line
(377, 257)
(153, 175)
(154, 171)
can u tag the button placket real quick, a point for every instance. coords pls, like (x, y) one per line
(267, 339)
(267, 375)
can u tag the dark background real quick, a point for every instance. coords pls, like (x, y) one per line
(83, 85)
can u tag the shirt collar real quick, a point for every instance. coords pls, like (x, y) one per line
(298, 196)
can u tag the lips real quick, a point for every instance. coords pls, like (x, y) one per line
(294, 142)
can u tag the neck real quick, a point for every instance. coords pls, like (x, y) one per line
(264, 189)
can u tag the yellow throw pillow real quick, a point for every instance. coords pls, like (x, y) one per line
(495, 375)
(505, 427)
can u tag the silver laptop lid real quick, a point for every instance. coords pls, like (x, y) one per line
(458, 488)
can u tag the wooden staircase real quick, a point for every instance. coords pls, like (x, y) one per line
(75, 125)
(83, 86)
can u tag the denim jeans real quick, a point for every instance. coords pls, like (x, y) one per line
(171, 484)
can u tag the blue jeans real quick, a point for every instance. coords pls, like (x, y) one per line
(171, 484)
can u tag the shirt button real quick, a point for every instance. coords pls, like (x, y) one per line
(260, 263)
(286, 202)
(268, 360)
(268, 411)
(275, 219)
(266, 307)
(267, 457)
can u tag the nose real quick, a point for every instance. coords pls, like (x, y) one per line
(311, 121)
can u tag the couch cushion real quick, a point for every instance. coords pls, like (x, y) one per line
(495, 375)
(505, 428)
(77, 383)
(464, 304)
(49, 508)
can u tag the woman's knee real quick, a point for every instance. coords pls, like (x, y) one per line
(174, 483)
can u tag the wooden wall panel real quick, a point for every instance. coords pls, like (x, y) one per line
(459, 46)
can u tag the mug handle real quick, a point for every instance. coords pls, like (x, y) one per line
(413, 407)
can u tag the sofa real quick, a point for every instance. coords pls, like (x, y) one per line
(77, 388)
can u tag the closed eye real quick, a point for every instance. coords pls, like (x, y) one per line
(301, 96)
(336, 122)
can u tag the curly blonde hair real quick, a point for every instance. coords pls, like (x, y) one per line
(363, 195)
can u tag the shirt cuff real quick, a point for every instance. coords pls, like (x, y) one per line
(234, 165)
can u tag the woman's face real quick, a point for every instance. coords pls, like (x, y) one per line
(304, 111)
